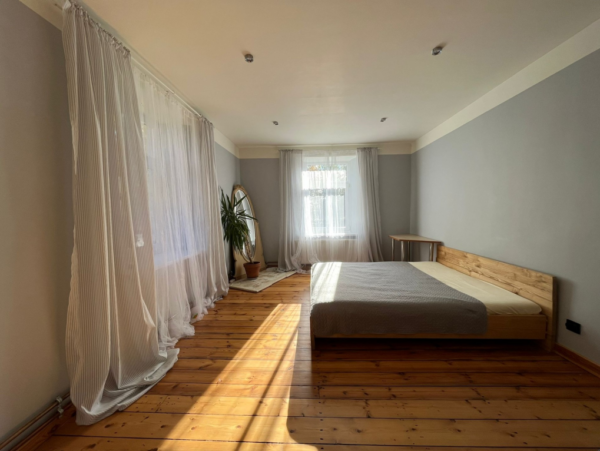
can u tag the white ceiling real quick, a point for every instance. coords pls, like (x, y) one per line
(328, 70)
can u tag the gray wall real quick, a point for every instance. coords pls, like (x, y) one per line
(228, 169)
(521, 184)
(228, 175)
(260, 177)
(36, 224)
(394, 199)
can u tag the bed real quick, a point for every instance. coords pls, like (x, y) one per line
(460, 296)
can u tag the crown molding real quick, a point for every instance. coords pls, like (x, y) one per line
(385, 148)
(225, 142)
(51, 10)
(567, 53)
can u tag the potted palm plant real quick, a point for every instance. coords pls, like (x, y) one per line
(235, 230)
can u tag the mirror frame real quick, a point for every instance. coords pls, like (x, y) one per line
(240, 273)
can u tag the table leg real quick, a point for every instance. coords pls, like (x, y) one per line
(409, 250)
(430, 252)
(393, 248)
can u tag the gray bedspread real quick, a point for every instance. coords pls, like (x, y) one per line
(388, 298)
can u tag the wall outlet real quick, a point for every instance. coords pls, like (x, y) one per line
(573, 326)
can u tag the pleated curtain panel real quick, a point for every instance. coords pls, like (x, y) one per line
(291, 224)
(148, 253)
(187, 236)
(369, 193)
(329, 207)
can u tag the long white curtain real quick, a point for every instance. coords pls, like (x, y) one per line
(291, 225)
(369, 193)
(189, 256)
(329, 207)
(148, 257)
(114, 354)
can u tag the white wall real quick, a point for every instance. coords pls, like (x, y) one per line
(35, 215)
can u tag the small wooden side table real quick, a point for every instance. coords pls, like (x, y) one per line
(405, 244)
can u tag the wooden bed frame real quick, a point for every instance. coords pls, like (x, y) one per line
(535, 286)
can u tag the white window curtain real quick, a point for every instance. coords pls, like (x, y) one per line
(187, 237)
(369, 193)
(114, 354)
(148, 257)
(330, 207)
(291, 226)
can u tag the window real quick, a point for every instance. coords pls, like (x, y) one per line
(172, 194)
(324, 193)
(328, 185)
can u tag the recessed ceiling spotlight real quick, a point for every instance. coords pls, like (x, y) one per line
(383, 119)
(249, 57)
(437, 50)
(275, 123)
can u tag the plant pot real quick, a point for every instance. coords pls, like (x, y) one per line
(252, 269)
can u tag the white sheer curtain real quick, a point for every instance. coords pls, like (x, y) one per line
(329, 204)
(148, 256)
(369, 176)
(332, 208)
(187, 236)
(114, 354)
(291, 225)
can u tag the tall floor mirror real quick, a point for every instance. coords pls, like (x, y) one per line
(238, 193)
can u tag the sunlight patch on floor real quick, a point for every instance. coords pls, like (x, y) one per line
(263, 417)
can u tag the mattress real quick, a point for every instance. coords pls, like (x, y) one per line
(389, 298)
(404, 298)
(496, 300)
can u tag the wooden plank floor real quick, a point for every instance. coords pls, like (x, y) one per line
(248, 381)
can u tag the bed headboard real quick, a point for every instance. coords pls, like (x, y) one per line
(535, 286)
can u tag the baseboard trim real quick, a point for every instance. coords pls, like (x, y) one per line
(577, 359)
(46, 430)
